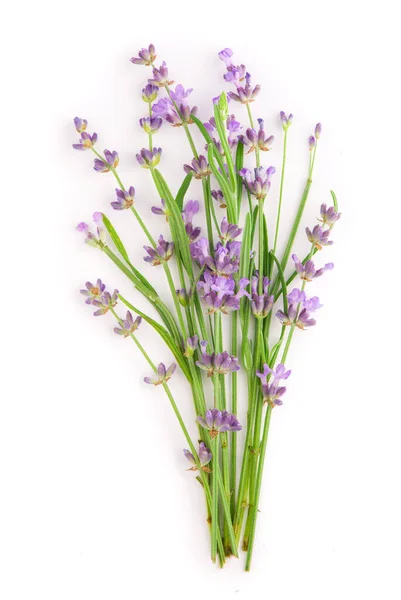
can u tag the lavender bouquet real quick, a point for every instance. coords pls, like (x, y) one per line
(220, 284)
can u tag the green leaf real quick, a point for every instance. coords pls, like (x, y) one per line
(209, 140)
(115, 237)
(164, 334)
(179, 199)
(282, 281)
(246, 354)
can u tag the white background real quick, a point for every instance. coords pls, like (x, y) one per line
(95, 501)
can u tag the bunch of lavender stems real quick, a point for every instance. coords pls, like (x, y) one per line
(228, 279)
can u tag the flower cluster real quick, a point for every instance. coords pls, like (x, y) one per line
(99, 240)
(190, 210)
(161, 254)
(257, 139)
(128, 326)
(245, 91)
(87, 140)
(110, 162)
(125, 199)
(307, 271)
(162, 374)
(175, 109)
(217, 364)
(217, 421)
(148, 159)
(233, 128)
(299, 309)
(221, 293)
(261, 304)
(271, 390)
(204, 458)
(258, 184)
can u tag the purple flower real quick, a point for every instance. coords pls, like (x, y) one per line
(86, 141)
(184, 297)
(286, 121)
(105, 303)
(225, 261)
(149, 158)
(190, 346)
(93, 291)
(205, 456)
(161, 210)
(180, 94)
(191, 209)
(151, 125)
(307, 271)
(220, 293)
(228, 231)
(328, 215)
(149, 92)
(256, 139)
(162, 253)
(145, 56)
(261, 304)
(91, 238)
(272, 392)
(160, 76)
(218, 196)
(199, 168)
(245, 94)
(217, 421)
(80, 124)
(225, 55)
(318, 130)
(312, 142)
(299, 309)
(260, 184)
(318, 237)
(163, 374)
(125, 199)
(110, 161)
(128, 326)
(217, 364)
(162, 107)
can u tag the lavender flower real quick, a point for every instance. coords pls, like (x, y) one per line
(151, 125)
(190, 346)
(272, 392)
(205, 456)
(199, 168)
(318, 237)
(312, 142)
(307, 271)
(149, 92)
(286, 121)
(162, 107)
(149, 158)
(160, 76)
(278, 374)
(318, 130)
(220, 293)
(163, 375)
(218, 196)
(299, 309)
(91, 238)
(260, 184)
(217, 364)
(93, 291)
(245, 94)
(162, 253)
(225, 261)
(125, 199)
(87, 141)
(329, 216)
(256, 139)
(110, 162)
(184, 297)
(145, 56)
(80, 124)
(225, 55)
(161, 210)
(105, 303)
(261, 304)
(228, 231)
(128, 326)
(191, 208)
(217, 421)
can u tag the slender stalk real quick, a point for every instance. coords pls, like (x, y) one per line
(257, 489)
(233, 410)
(281, 192)
(175, 299)
(257, 151)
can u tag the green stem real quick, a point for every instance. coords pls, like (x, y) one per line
(175, 299)
(233, 409)
(215, 496)
(257, 151)
(143, 226)
(281, 192)
(257, 489)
